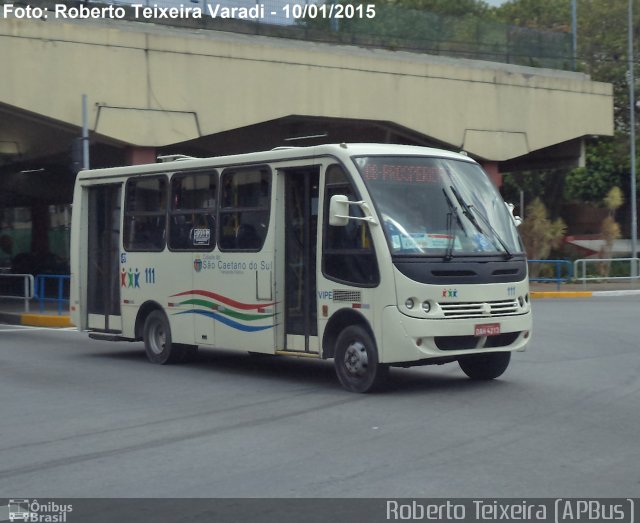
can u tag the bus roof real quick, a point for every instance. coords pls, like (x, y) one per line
(341, 151)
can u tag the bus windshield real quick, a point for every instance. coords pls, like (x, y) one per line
(438, 207)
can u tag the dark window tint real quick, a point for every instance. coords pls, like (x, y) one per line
(145, 214)
(348, 253)
(193, 208)
(244, 212)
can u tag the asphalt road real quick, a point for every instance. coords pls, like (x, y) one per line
(83, 418)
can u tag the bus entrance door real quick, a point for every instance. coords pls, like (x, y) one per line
(301, 221)
(103, 263)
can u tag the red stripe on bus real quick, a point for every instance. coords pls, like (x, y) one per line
(225, 300)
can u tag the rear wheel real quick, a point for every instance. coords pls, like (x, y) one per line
(157, 340)
(356, 361)
(485, 366)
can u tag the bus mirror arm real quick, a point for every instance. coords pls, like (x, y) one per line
(339, 211)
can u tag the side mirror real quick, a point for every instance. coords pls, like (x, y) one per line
(516, 219)
(339, 210)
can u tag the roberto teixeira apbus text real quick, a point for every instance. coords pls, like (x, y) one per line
(555, 510)
(291, 10)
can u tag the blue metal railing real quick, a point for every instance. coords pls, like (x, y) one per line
(61, 295)
(560, 275)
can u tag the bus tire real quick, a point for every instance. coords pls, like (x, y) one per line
(356, 361)
(485, 366)
(157, 340)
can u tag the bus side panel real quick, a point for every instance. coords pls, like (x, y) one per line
(147, 277)
(243, 301)
(78, 255)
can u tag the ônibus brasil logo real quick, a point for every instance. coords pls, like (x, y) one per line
(33, 510)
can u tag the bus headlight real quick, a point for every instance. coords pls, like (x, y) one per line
(426, 306)
(409, 304)
(521, 301)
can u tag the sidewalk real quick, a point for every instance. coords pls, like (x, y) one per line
(588, 290)
(12, 312)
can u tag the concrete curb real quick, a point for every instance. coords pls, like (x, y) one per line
(45, 320)
(36, 320)
(581, 294)
(616, 293)
(560, 294)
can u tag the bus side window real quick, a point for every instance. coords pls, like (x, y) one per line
(145, 214)
(244, 208)
(348, 253)
(193, 208)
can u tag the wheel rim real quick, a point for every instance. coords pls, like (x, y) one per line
(356, 360)
(157, 338)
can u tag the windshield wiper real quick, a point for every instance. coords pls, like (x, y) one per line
(471, 212)
(450, 232)
(495, 233)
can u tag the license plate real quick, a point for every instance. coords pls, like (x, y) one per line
(487, 329)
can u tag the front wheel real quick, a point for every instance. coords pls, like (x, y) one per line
(485, 366)
(356, 361)
(157, 340)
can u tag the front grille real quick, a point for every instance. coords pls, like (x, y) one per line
(483, 309)
(472, 342)
(456, 342)
(348, 296)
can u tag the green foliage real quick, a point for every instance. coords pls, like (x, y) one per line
(583, 185)
(607, 166)
(472, 28)
(464, 28)
(444, 7)
(602, 53)
(614, 199)
(540, 184)
(539, 233)
(610, 230)
(536, 14)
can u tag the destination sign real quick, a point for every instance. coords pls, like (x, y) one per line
(402, 173)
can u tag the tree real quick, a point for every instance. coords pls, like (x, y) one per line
(607, 166)
(610, 229)
(540, 234)
(471, 28)
(444, 7)
(536, 14)
(546, 184)
(601, 53)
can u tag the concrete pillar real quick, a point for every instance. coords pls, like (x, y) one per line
(139, 155)
(493, 171)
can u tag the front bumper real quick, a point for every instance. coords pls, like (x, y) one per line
(406, 339)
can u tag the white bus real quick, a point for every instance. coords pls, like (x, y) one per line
(373, 255)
